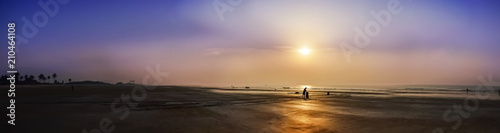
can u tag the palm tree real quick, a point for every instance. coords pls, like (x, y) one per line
(17, 76)
(20, 78)
(44, 78)
(26, 77)
(41, 77)
(54, 76)
(32, 78)
(69, 80)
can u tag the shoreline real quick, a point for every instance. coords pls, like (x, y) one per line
(195, 109)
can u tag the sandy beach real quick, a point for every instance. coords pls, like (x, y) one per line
(200, 109)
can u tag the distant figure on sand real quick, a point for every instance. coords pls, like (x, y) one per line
(307, 94)
(304, 93)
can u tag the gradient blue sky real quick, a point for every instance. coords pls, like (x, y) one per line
(430, 42)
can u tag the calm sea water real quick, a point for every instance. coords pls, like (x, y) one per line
(452, 91)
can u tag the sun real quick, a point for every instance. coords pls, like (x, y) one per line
(305, 51)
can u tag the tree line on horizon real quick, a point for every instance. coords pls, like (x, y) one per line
(31, 79)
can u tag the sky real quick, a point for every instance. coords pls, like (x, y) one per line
(258, 42)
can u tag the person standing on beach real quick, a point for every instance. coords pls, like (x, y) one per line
(304, 93)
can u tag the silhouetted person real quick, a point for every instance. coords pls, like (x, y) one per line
(307, 94)
(304, 92)
(467, 90)
(327, 93)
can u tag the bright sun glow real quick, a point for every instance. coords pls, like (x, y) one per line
(304, 86)
(305, 51)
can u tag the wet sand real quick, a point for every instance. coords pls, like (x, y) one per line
(198, 109)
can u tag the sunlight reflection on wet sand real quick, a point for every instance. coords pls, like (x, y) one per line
(303, 116)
